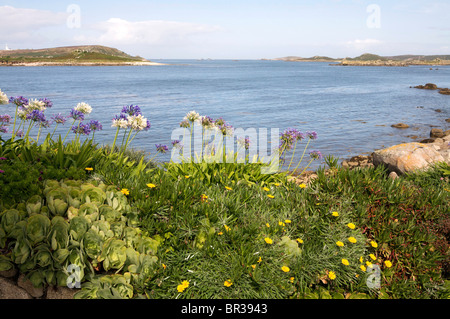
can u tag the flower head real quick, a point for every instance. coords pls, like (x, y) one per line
(95, 125)
(228, 283)
(207, 122)
(335, 214)
(36, 116)
(47, 102)
(137, 122)
(83, 129)
(387, 263)
(351, 225)
(285, 269)
(125, 191)
(18, 100)
(340, 244)
(131, 110)
(120, 121)
(345, 262)
(161, 148)
(244, 142)
(150, 185)
(352, 240)
(374, 244)
(185, 124)
(34, 104)
(268, 240)
(311, 135)
(3, 129)
(5, 118)
(316, 155)
(76, 114)
(83, 108)
(59, 118)
(331, 275)
(4, 98)
(192, 116)
(181, 287)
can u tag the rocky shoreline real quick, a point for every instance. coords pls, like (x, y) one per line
(31, 64)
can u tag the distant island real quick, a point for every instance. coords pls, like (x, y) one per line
(369, 59)
(86, 55)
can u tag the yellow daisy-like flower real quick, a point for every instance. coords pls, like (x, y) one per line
(204, 198)
(125, 191)
(164, 266)
(281, 224)
(270, 196)
(302, 186)
(268, 240)
(373, 244)
(372, 256)
(331, 275)
(285, 269)
(89, 169)
(253, 266)
(150, 185)
(220, 233)
(259, 259)
(340, 244)
(335, 214)
(345, 262)
(361, 259)
(387, 263)
(267, 225)
(352, 240)
(288, 221)
(186, 176)
(266, 189)
(227, 228)
(183, 286)
(228, 188)
(300, 240)
(291, 279)
(351, 225)
(363, 268)
(369, 264)
(227, 283)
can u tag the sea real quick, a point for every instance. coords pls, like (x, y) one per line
(351, 108)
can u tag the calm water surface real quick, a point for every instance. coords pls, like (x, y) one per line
(351, 108)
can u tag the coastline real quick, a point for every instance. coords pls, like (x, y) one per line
(31, 64)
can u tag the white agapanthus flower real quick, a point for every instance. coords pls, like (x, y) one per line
(3, 98)
(192, 116)
(120, 123)
(34, 104)
(137, 122)
(83, 108)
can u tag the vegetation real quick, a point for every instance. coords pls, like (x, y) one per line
(127, 227)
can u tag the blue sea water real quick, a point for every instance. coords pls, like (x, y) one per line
(351, 108)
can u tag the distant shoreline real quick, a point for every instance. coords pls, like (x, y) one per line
(31, 64)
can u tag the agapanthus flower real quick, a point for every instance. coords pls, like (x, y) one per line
(83, 129)
(161, 148)
(5, 118)
(147, 126)
(137, 122)
(83, 108)
(18, 100)
(59, 118)
(46, 102)
(45, 124)
(177, 144)
(120, 121)
(131, 110)
(95, 125)
(312, 135)
(19, 133)
(36, 116)
(244, 142)
(3, 98)
(3, 129)
(207, 122)
(226, 129)
(34, 104)
(316, 155)
(192, 116)
(76, 114)
(185, 124)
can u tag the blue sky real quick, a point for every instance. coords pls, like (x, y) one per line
(244, 29)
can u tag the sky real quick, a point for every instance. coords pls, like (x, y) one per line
(231, 29)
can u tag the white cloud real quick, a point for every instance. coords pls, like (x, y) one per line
(365, 44)
(116, 31)
(21, 24)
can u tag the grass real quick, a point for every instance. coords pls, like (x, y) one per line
(229, 239)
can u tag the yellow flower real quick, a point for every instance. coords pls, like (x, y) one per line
(220, 233)
(276, 184)
(351, 225)
(291, 279)
(387, 263)
(227, 283)
(227, 228)
(150, 185)
(285, 269)
(369, 264)
(267, 225)
(204, 198)
(266, 189)
(164, 266)
(373, 244)
(281, 224)
(186, 176)
(268, 240)
(89, 169)
(183, 286)
(372, 256)
(185, 283)
(335, 214)
(300, 240)
(302, 186)
(363, 268)
(259, 259)
(352, 240)
(125, 191)
(287, 221)
(340, 244)
(253, 266)
(345, 262)
(332, 275)
(361, 259)
(270, 196)
(228, 188)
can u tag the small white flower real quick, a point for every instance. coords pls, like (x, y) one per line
(120, 123)
(83, 108)
(137, 122)
(34, 104)
(192, 116)
(3, 98)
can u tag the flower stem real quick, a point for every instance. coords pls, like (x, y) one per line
(301, 159)
(14, 126)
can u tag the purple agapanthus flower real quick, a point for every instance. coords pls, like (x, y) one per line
(47, 102)
(76, 115)
(83, 129)
(131, 110)
(36, 116)
(95, 125)
(19, 133)
(185, 124)
(177, 144)
(18, 100)
(3, 129)
(161, 148)
(316, 155)
(5, 118)
(148, 126)
(312, 135)
(244, 142)
(59, 118)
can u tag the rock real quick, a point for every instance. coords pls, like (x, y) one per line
(61, 292)
(408, 157)
(427, 140)
(428, 86)
(26, 284)
(445, 91)
(438, 111)
(393, 175)
(400, 125)
(8, 290)
(8, 273)
(447, 120)
(435, 132)
(447, 133)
